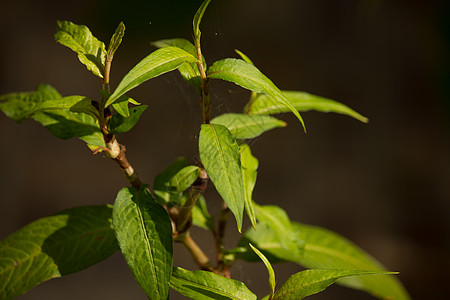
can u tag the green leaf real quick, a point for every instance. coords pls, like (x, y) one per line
(184, 178)
(17, 106)
(309, 282)
(121, 106)
(158, 62)
(189, 71)
(51, 247)
(249, 173)
(116, 40)
(326, 249)
(200, 215)
(164, 192)
(266, 105)
(91, 52)
(144, 232)
(269, 269)
(219, 154)
(197, 20)
(247, 127)
(274, 234)
(119, 124)
(249, 77)
(60, 117)
(244, 57)
(204, 285)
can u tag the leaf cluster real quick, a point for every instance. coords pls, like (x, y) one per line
(145, 221)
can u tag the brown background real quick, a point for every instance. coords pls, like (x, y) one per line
(384, 185)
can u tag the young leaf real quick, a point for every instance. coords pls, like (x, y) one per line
(269, 269)
(197, 20)
(309, 282)
(164, 192)
(119, 124)
(189, 71)
(247, 127)
(121, 106)
(63, 123)
(326, 249)
(185, 178)
(201, 216)
(158, 62)
(91, 52)
(219, 154)
(144, 232)
(50, 247)
(264, 104)
(249, 77)
(116, 40)
(249, 167)
(244, 57)
(203, 285)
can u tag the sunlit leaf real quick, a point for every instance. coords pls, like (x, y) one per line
(204, 285)
(60, 118)
(144, 232)
(189, 71)
(161, 61)
(249, 173)
(309, 282)
(326, 249)
(197, 20)
(269, 269)
(164, 192)
(244, 126)
(116, 40)
(50, 247)
(184, 178)
(91, 52)
(266, 105)
(249, 77)
(219, 154)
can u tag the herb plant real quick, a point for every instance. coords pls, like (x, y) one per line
(145, 220)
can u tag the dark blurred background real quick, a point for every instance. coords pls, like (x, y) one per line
(384, 185)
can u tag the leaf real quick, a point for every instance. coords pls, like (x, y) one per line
(269, 269)
(244, 57)
(326, 249)
(164, 192)
(204, 285)
(51, 247)
(119, 124)
(91, 52)
(158, 62)
(247, 127)
(201, 216)
(249, 77)
(18, 105)
(197, 20)
(309, 282)
(274, 234)
(249, 167)
(219, 154)
(266, 105)
(144, 232)
(63, 123)
(184, 178)
(116, 40)
(189, 71)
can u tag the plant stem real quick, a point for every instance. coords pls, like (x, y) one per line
(199, 256)
(219, 236)
(205, 101)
